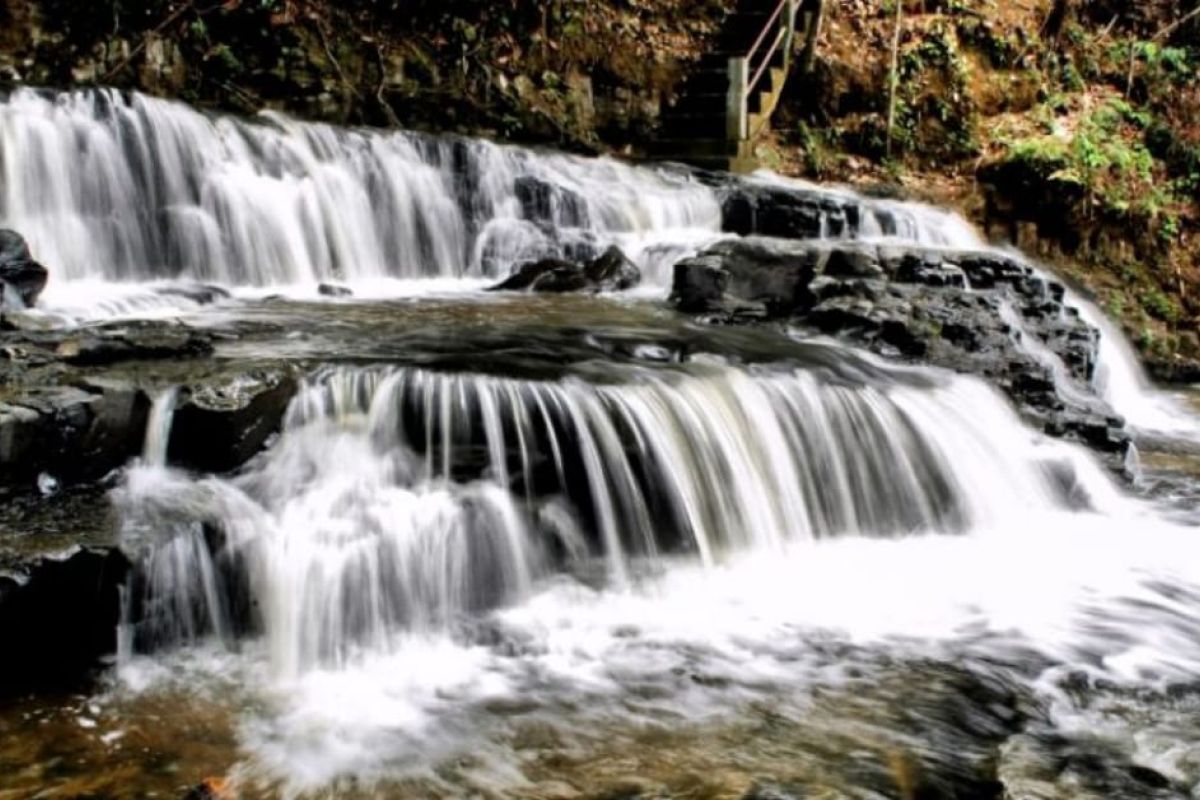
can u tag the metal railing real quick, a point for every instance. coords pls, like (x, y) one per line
(746, 72)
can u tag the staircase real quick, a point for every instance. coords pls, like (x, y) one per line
(727, 101)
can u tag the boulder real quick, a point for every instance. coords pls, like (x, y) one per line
(221, 424)
(58, 618)
(774, 272)
(699, 285)
(750, 208)
(76, 434)
(21, 278)
(612, 271)
(526, 275)
(60, 579)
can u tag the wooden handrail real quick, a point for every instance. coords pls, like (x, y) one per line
(767, 29)
(745, 76)
(783, 34)
(766, 62)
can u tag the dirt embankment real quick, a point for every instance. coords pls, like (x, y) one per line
(576, 73)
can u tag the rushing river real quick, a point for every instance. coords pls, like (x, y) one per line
(523, 547)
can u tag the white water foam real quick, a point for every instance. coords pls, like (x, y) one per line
(698, 643)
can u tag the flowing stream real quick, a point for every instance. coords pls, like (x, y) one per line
(821, 574)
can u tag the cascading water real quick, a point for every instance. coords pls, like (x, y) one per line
(418, 543)
(428, 562)
(403, 498)
(131, 188)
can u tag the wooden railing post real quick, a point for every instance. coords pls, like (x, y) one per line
(737, 110)
(792, 12)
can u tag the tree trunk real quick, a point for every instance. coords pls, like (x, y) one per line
(895, 76)
(1053, 28)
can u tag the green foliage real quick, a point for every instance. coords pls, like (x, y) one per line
(1106, 155)
(1160, 306)
(818, 154)
(935, 110)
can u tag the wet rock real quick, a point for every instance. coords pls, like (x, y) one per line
(749, 207)
(613, 271)
(774, 272)
(21, 278)
(853, 262)
(977, 313)
(526, 276)
(133, 341)
(58, 616)
(220, 425)
(1184, 371)
(700, 285)
(76, 434)
(333, 290)
(930, 272)
(1053, 765)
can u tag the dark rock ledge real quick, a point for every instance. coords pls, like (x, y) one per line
(971, 312)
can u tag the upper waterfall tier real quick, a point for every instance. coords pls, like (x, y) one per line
(129, 187)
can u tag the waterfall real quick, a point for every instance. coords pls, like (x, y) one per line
(401, 499)
(126, 187)
(110, 187)
(158, 427)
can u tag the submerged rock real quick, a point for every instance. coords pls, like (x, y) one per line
(333, 290)
(611, 271)
(21, 278)
(131, 342)
(200, 293)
